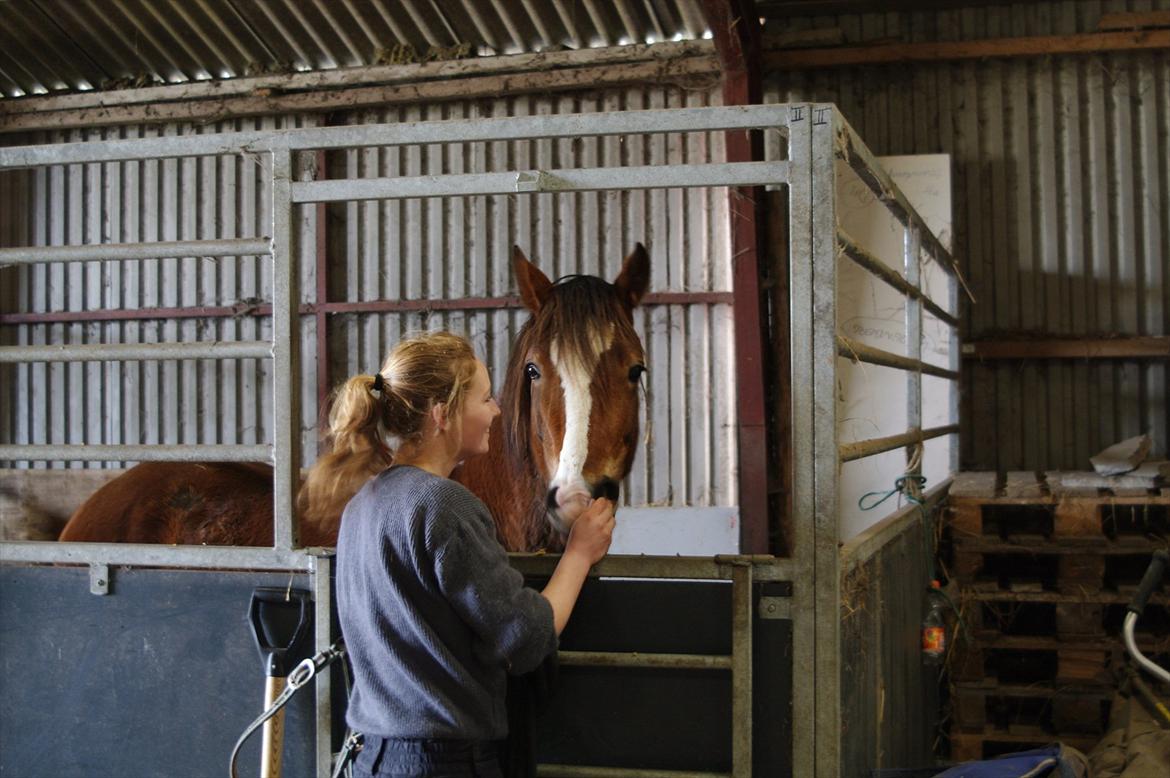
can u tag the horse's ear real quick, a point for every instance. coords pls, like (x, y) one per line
(634, 279)
(534, 285)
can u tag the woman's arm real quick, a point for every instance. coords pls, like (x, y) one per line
(588, 543)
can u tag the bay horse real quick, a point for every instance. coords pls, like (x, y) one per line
(568, 432)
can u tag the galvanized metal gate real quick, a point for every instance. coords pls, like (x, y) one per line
(802, 590)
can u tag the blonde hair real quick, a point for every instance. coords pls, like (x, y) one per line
(369, 419)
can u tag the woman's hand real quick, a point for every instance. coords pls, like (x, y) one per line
(592, 532)
(588, 543)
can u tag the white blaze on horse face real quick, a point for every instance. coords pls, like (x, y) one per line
(573, 493)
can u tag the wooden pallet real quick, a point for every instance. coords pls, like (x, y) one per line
(973, 746)
(985, 505)
(1084, 616)
(1058, 708)
(1032, 659)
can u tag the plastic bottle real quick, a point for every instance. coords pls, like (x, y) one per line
(934, 627)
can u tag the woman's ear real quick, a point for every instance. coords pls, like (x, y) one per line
(439, 417)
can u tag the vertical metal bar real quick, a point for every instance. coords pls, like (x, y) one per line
(286, 333)
(741, 671)
(912, 243)
(323, 638)
(804, 697)
(956, 361)
(322, 297)
(825, 459)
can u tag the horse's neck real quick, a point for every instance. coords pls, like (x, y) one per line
(514, 495)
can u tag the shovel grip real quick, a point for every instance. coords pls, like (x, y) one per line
(272, 745)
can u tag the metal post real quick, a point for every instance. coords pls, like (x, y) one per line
(741, 671)
(825, 459)
(913, 268)
(286, 350)
(804, 696)
(323, 638)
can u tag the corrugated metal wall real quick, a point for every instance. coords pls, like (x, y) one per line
(191, 401)
(461, 247)
(1062, 192)
(413, 249)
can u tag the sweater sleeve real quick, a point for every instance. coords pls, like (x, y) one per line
(513, 622)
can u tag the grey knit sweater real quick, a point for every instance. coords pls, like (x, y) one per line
(432, 613)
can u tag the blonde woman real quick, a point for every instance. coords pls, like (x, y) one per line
(433, 615)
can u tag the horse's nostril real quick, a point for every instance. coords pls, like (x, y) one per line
(607, 488)
(552, 499)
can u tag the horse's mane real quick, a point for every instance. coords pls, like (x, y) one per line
(574, 302)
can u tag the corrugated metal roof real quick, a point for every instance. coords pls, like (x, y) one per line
(78, 45)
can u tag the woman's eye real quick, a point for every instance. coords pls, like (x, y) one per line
(532, 371)
(636, 372)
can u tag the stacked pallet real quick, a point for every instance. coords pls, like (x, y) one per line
(1045, 568)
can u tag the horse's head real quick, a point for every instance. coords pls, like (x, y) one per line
(573, 383)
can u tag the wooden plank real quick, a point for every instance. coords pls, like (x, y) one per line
(1030, 46)
(411, 73)
(1077, 518)
(1078, 574)
(1076, 664)
(1135, 347)
(365, 97)
(1023, 485)
(1076, 620)
(974, 484)
(1129, 20)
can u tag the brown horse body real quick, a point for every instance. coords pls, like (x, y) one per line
(220, 503)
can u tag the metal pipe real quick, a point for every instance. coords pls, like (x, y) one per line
(708, 119)
(852, 349)
(565, 180)
(114, 453)
(286, 366)
(638, 659)
(586, 771)
(741, 671)
(106, 252)
(1135, 653)
(323, 639)
(155, 555)
(126, 352)
(330, 308)
(864, 448)
(718, 568)
(886, 273)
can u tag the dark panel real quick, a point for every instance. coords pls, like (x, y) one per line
(666, 719)
(158, 678)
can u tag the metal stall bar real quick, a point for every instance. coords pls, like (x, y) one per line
(741, 670)
(574, 180)
(114, 453)
(235, 349)
(121, 251)
(323, 639)
(883, 271)
(711, 119)
(864, 163)
(824, 458)
(913, 269)
(800, 247)
(852, 349)
(865, 448)
(152, 555)
(286, 351)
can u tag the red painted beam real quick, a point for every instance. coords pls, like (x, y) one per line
(736, 31)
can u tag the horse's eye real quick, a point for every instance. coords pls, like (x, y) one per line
(636, 372)
(532, 371)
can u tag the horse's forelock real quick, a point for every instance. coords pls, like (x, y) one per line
(579, 317)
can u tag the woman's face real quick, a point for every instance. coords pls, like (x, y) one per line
(479, 410)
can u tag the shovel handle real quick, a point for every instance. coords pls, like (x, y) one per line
(272, 744)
